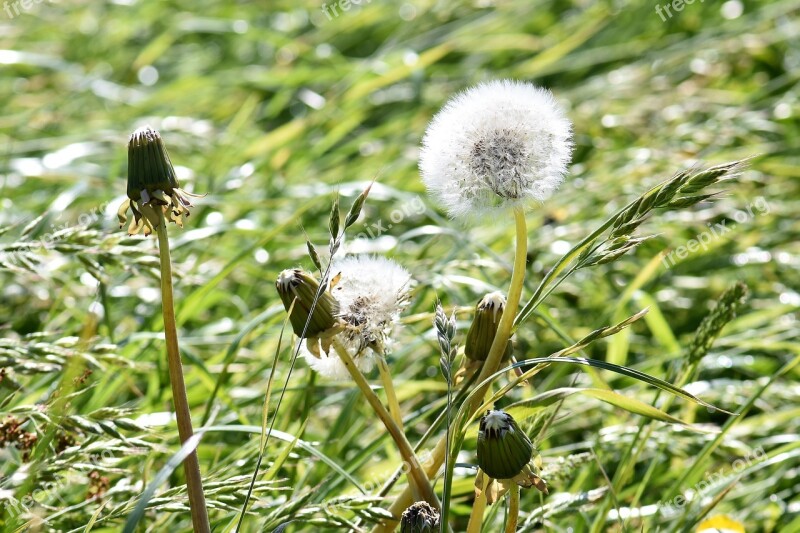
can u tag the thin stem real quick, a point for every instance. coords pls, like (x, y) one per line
(513, 509)
(194, 482)
(478, 507)
(391, 395)
(417, 475)
(490, 366)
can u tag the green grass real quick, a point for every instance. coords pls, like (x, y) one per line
(272, 110)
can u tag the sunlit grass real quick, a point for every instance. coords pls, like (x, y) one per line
(274, 110)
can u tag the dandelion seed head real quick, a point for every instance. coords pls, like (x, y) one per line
(331, 366)
(497, 145)
(370, 292)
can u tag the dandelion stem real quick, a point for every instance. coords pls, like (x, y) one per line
(490, 366)
(478, 507)
(194, 482)
(500, 342)
(391, 396)
(513, 509)
(418, 476)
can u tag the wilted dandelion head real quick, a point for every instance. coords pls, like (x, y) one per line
(370, 292)
(494, 146)
(152, 185)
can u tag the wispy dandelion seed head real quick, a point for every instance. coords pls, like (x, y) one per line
(371, 293)
(497, 145)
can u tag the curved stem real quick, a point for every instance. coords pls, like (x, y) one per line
(513, 509)
(500, 341)
(418, 477)
(391, 395)
(490, 366)
(191, 465)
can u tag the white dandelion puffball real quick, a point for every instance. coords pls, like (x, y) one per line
(371, 292)
(494, 146)
(330, 366)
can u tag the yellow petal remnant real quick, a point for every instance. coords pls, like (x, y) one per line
(152, 185)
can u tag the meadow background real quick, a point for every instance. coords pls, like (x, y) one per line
(272, 109)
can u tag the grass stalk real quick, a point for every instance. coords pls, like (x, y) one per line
(194, 482)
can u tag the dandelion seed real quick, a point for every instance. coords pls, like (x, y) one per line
(371, 293)
(495, 146)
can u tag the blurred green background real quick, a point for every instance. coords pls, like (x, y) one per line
(273, 108)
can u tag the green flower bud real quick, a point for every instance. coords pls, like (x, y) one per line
(299, 287)
(504, 450)
(420, 518)
(149, 166)
(484, 328)
(152, 185)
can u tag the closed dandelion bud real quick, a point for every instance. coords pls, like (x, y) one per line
(504, 450)
(300, 288)
(420, 518)
(484, 327)
(152, 184)
(149, 166)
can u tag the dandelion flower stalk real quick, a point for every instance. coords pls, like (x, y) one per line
(419, 479)
(194, 482)
(478, 508)
(490, 366)
(493, 149)
(350, 328)
(155, 197)
(513, 509)
(391, 395)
